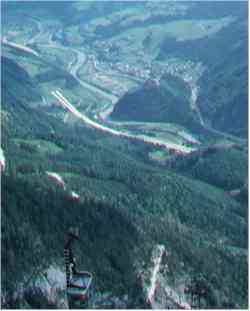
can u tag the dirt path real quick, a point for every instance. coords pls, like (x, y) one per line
(157, 257)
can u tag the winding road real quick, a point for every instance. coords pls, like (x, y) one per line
(73, 68)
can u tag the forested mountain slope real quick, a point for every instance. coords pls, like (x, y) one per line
(113, 225)
(223, 98)
(151, 217)
(163, 101)
(222, 166)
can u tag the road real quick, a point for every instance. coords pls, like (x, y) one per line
(73, 69)
(19, 47)
(147, 139)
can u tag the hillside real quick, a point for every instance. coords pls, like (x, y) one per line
(166, 101)
(223, 96)
(221, 166)
(158, 188)
(213, 48)
(223, 99)
(29, 197)
(16, 76)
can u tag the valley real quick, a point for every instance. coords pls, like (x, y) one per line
(113, 120)
(80, 60)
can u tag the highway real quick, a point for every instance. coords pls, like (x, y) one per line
(147, 139)
(73, 68)
(19, 47)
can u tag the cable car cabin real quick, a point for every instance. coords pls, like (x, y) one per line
(80, 290)
(79, 283)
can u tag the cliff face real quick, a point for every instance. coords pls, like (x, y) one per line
(44, 289)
